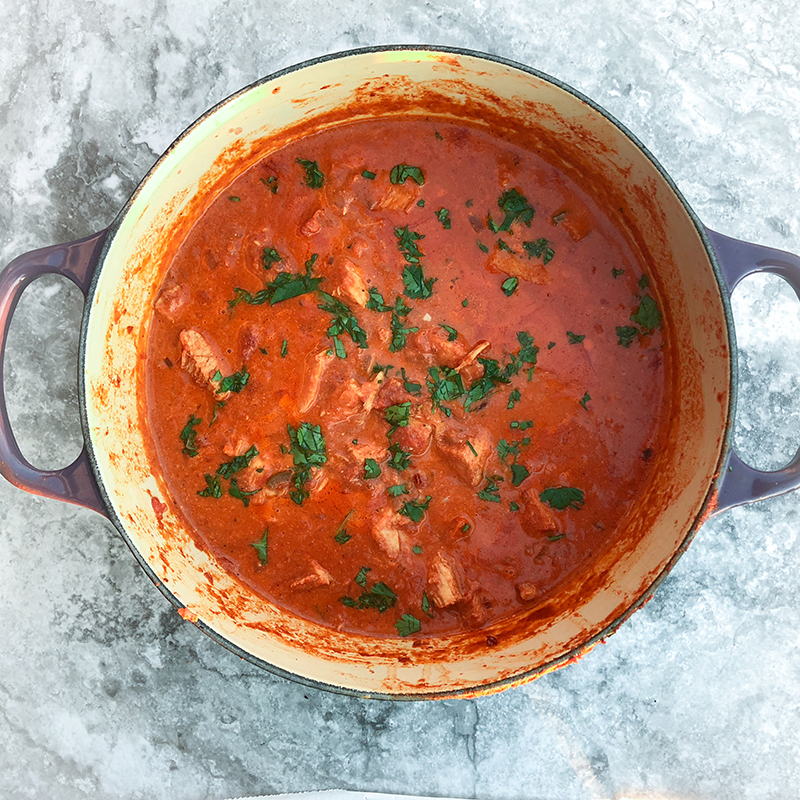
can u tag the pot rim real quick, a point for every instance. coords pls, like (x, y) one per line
(499, 684)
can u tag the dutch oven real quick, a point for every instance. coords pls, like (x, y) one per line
(119, 269)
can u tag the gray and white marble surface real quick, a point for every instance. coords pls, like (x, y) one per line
(105, 692)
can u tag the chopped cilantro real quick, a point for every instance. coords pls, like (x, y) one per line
(234, 198)
(284, 348)
(370, 176)
(342, 536)
(397, 490)
(539, 248)
(402, 172)
(443, 215)
(371, 468)
(410, 386)
(415, 509)
(213, 487)
(466, 528)
(482, 246)
(491, 492)
(231, 383)
(380, 597)
(344, 321)
(551, 345)
(465, 302)
(417, 550)
(408, 624)
(562, 497)
(491, 378)
(400, 333)
(452, 333)
(397, 416)
(644, 282)
(421, 202)
(522, 425)
(271, 183)
(426, 605)
(269, 257)
(261, 548)
(417, 285)
(376, 301)
(474, 451)
(515, 207)
(647, 315)
(626, 334)
(188, 435)
(400, 459)
(444, 384)
(575, 338)
(518, 474)
(241, 494)
(585, 399)
(314, 178)
(361, 578)
(284, 287)
(514, 506)
(514, 398)
(308, 452)
(237, 464)
(509, 286)
(617, 272)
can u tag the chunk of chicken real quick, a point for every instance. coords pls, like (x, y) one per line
(202, 358)
(392, 393)
(525, 269)
(535, 516)
(351, 284)
(388, 531)
(415, 437)
(309, 388)
(467, 452)
(444, 586)
(318, 576)
(432, 346)
(354, 397)
(527, 591)
(314, 224)
(172, 300)
(398, 197)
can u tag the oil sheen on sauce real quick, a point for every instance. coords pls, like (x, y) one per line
(404, 378)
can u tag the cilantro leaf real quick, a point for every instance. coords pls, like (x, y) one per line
(444, 384)
(400, 459)
(400, 333)
(376, 301)
(407, 244)
(562, 497)
(575, 338)
(342, 536)
(284, 287)
(344, 321)
(539, 248)
(585, 399)
(514, 398)
(415, 509)
(518, 474)
(269, 257)
(397, 490)
(417, 285)
(231, 383)
(371, 468)
(213, 487)
(261, 548)
(380, 597)
(452, 333)
(230, 468)
(626, 334)
(314, 177)
(361, 578)
(515, 207)
(443, 215)
(492, 377)
(188, 434)
(397, 416)
(408, 624)
(491, 492)
(402, 172)
(308, 452)
(240, 494)
(509, 286)
(426, 605)
(369, 175)
(410, 386)
(647, 315)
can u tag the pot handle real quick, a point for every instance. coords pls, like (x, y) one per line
(739, 483)
(76, 261)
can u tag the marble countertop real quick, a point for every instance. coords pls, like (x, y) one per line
(105, 692)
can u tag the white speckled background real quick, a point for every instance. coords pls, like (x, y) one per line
(106, 693)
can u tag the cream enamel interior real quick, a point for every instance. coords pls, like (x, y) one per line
(685, 285)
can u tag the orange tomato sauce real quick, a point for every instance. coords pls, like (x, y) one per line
(404, 378)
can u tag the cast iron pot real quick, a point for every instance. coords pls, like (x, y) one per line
(119, 270)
